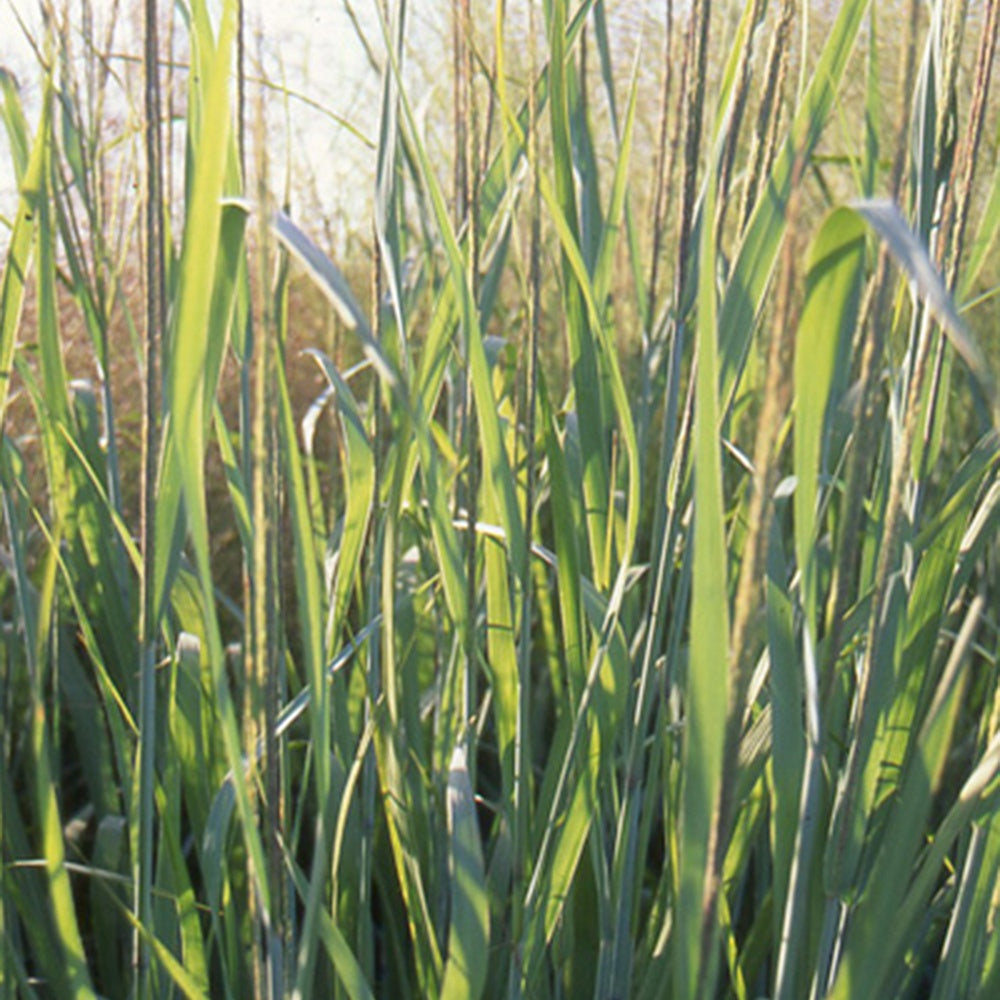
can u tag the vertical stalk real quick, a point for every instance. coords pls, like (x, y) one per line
(365, 924)
(765, 135)
(698, 30)
(264, 666)
(661, 172)
(522, 747)
(466, 199)
(955, 211)
(155, 315)
(739, 102)
(255, 646)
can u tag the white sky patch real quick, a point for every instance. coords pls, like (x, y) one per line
(324, 133)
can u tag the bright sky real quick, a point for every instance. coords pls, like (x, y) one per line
(314, 46)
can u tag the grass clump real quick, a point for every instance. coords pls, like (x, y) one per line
(619, 616)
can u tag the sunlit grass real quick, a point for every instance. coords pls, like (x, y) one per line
(619, 619)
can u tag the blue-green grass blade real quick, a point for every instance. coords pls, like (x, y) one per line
(923, 187)
(969, 923)
(788, 742)
(359, 487)
(468, 925)
(911, 254)
(869, 957)
(332, 283)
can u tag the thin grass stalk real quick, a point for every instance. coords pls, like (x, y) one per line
(764, 142)
(169, 187)
(955, 212)
(468, 202)
(692, 98)
(667, 484)
(365, 941)
(674, 441)
(148, 626)
(263, 659)
(521, 820)
(735, 122)
(256, 645)
(661, 174)
(698, 35)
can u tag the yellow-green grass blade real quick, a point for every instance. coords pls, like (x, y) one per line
(46, 803)
(497, 175)
(632, 230)
(833, 286)
(788, 742)
(311, 619)
(187, 369)
(51, 920)
(501, 646)
(189, 985)
(18, 259)
(694, 951)
(619, 192)
(12, 112)
(468, 923)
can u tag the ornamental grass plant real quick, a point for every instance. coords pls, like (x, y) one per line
(616, 618)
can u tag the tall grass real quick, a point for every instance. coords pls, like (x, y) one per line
(667, 671)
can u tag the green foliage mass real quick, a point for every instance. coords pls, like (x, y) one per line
(615, 614)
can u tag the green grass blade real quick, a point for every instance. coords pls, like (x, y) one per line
(833, 286)
(17, 261)
(707, 695)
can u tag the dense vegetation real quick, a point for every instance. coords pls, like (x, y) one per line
(620, 618)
